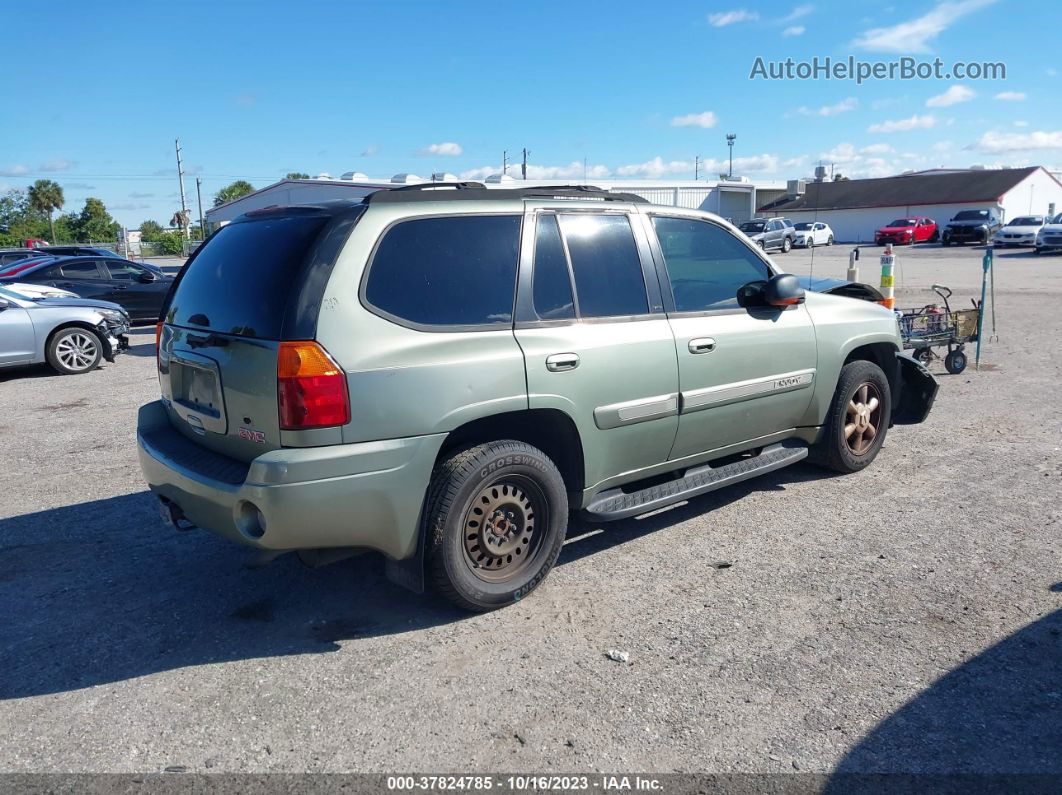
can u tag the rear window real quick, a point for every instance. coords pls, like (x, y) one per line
(242, 280)
(447, 271)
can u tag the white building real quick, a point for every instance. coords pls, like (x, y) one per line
(736, 199)
(855, 208)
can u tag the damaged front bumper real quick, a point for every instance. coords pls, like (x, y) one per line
(918, 390)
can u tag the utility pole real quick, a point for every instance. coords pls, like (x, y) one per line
(696, 167)
(523, 167)
(730, 138)
(505, 162)
(199, 195)
(180, 178)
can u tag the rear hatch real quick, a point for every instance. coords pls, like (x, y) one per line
(255, 283)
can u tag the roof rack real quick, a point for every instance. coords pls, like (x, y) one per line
(477, 191)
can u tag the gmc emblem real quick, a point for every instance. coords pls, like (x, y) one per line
(251, 435)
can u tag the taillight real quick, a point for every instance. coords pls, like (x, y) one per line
(311, 388)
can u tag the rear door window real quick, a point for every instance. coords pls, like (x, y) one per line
(605, 263)
(551, 281)
(122, 271)
(241, 280)
(705, 263)
(447, 271)
(81, 269)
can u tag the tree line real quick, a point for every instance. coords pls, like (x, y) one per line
(29, 213)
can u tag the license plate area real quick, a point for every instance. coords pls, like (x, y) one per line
(196, 392)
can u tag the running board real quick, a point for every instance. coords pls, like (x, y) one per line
(615, 504)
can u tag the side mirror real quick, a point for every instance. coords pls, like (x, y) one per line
(751, 295)
(783, 290)
(147, 277)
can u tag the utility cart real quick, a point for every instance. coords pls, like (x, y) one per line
(935, 326)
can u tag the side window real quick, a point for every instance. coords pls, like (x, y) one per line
(705, 263)
(48, 273)
(551, 285)
(122, 271)
(447, 271)
(81, 269)
(605, 263)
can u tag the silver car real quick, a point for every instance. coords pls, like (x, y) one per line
(71, 334)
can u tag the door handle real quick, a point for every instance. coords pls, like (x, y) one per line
(559, 362)
(702, 345)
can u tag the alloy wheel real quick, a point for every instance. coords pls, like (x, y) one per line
(78, 351)
(863, 418)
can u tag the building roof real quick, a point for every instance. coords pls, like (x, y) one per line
(905, 190)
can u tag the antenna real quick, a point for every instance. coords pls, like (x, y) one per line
(696, 167)
(730, 138)
(505, 161)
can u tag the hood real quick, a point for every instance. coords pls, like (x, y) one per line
(1053, 229)
(820, 285)
(754, 235)
(892, 229)
(81, 302)
(1021, 230)
(968, 224)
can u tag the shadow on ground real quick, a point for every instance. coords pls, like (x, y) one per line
(102, 592)
(1000, 713)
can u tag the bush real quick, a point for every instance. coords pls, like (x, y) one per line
(171, 243)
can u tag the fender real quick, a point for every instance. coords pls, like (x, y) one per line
(918, 390)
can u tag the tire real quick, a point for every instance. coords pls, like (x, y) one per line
(74, 350)
(787, 244)
(924, 355)
(955, 362)
(829, 240)
(497, 514)
(945, 243)
(933, 238)
(761, 245)
(854, 451)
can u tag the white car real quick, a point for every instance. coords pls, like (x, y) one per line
(1019, 232)
(37, 291)
(812, 233)
(1049, 238)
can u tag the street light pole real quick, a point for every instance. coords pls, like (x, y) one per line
(730, 137)
(199, 195)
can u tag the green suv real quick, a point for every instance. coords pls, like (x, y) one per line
(444, 373)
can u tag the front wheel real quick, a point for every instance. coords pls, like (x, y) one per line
(857, 421)
(955, 361)
(496, 516)
(787, 244)
(73, 351)
(829, 240)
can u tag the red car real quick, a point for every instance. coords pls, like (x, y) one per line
(916, 229)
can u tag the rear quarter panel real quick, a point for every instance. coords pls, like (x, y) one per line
(406, 382)
(842, 325)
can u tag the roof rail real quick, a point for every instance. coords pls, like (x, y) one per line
(477, 191)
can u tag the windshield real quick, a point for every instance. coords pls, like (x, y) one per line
(15, 296)
(902, 222)
(803, 226)
(752, 226)
(971, 215)
(1027, 220)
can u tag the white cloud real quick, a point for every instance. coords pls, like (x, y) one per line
(57, 165)
(447, 149)
(794, 30)
(914, 35)
(953, 96)
(996, 142)
(656, 168)
(369, 151)
(1011, 96)
(725, 18)
(876, 149)
(798, 13)
(1020, 123)
(573, 170)
(903, 125)
(944, 146)
(15, 171)
(843, 106)
(867, 161)
(705, 120)
(129, 206)
(78, 186)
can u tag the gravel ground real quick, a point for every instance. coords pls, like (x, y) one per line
(904, 619)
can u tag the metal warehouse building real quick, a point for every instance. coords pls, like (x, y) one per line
(855, 208)
(736, 199)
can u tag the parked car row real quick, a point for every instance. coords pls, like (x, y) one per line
(781, 234)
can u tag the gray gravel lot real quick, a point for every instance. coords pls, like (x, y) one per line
(908, 618)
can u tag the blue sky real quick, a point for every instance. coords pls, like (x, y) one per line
(254, 90)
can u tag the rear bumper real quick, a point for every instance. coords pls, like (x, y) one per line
(918, 390)
(364, 495)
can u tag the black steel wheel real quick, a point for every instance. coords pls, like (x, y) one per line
(955, 361)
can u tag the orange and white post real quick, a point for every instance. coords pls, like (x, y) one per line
(888, 260)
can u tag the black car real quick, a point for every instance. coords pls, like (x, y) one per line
(9, 255)
(970, 226)
(139, 290)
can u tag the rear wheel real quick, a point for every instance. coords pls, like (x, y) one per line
(857, 421)
(829, 240)
(497, 515)
(787, 244)
(73, 351)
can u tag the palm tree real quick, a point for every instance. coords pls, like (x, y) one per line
(45, 196)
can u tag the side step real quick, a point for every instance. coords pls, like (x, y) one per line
(615, 504)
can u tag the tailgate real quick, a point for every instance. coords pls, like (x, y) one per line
(221, 390)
